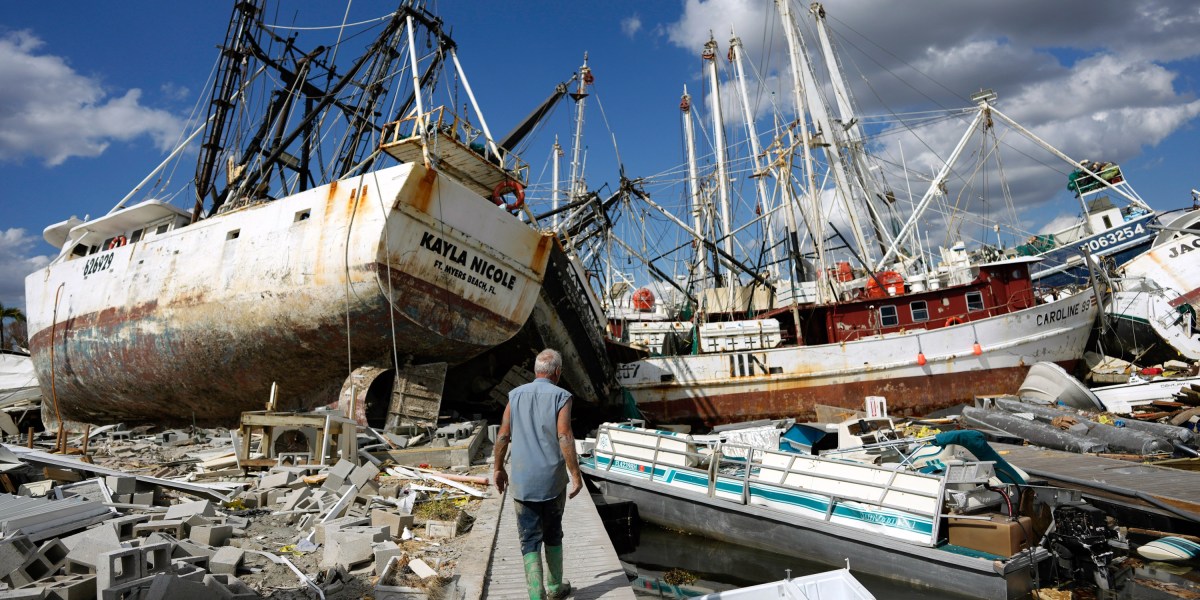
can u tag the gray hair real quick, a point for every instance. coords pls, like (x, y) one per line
(548, 362)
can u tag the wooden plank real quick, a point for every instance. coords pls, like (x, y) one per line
(416, 395)
(1176, 487)
(590, 562)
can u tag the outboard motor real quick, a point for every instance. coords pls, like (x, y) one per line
(1079, 542)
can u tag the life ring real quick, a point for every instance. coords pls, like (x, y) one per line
(117, 242)
(504, 187)
(953, 321)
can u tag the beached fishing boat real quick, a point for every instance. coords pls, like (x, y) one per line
(1152, 316)
(300, 260)
(885, 321)
(887, 519)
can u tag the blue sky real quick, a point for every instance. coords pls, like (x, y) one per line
(93, 94)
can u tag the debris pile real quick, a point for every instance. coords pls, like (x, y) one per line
(288, 505)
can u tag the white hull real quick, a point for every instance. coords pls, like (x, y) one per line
(202, 319)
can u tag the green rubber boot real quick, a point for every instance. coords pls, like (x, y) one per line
(556, 586)
(533, 575)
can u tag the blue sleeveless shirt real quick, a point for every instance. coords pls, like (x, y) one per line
(537, 469)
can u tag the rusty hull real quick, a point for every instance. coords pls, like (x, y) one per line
(906, 396)
(198, 323)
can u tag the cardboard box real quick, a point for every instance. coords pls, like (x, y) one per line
(999, 534)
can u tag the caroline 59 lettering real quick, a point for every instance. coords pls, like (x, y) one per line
(97, 263)
(1064, 312)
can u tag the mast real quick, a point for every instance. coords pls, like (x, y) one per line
(817, 221)
(710, 62)
(685, 107)
(735, 50)
(229, 75)
(578, 187)
(555, 156)
(851, 129)
(843, 189)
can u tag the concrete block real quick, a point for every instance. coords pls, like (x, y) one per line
(338, 474)
(131, 590)
(421, 568)
(72, 587)
(211, 535)
(197, 561)
(276, 480)
(54, 552)
(189, 571)
(121, 485)
(169, 587)
(184, 510)
(156, 557)
(87, 546)
(228, 587)
(274, 497)
(440, 529)
(334, 524)
(124, 525)
(119, 567)
(226, 560)
(143, 498)
(171, 526)
(362, 474)
(25, 593)
(295, 497)
(13, 553)
(396, 522)
(34, 569)
(384, 551)
(36, 489)
(349, 546)
(185, 548)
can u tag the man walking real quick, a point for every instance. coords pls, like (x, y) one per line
(537, 423)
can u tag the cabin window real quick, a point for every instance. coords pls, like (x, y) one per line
(79, 250)
(888, 316)
(974, 301)
(136, 235)
(93, 249)
(302, 215)
(920, 311)
(233, 235)
(162, 228)
(107, 243)
(1107, 222)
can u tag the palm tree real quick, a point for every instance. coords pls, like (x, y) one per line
(6, 313)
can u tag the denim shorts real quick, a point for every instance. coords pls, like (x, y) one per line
(539, 522)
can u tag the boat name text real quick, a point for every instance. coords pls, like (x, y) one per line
(480, 272)
(1112, 238)
(1184, 248)
(97, 263)
(1064, 313)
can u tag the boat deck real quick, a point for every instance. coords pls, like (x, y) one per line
(1109, 478)
(590, 562)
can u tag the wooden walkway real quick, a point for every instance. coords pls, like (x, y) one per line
(1109, 478)
(590, 562)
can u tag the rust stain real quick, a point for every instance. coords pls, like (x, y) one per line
(541, 254)
(906, 396)
(423, 195)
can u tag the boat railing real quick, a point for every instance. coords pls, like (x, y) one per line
(845, 491)
(454, 140)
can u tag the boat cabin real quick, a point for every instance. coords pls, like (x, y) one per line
(77, 238)
(997, 288)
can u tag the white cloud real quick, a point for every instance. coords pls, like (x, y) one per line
(631, 25)
(16, 261)
(50, 112)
